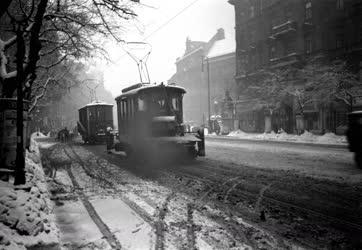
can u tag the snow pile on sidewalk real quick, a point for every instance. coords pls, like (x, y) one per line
(306, 137)
(26, 218)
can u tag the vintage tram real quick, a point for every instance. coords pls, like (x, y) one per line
(94, 119)
(150, 121)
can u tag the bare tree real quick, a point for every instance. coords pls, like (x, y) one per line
(317, 81)
(47, 28)
(332, 81)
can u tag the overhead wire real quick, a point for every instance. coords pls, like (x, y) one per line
(163, 25)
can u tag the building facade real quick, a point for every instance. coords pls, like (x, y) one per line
(276, 34)
(206, 71)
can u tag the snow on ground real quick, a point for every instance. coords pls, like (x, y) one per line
(128, 227)
(77, 227)
(306, 137)
(26, 218)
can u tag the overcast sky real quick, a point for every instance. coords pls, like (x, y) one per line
(199, 22)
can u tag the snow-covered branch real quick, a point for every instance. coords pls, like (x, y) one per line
(41, 95)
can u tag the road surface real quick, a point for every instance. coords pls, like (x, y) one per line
(242, 195)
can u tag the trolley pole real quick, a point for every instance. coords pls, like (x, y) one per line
(208, 90)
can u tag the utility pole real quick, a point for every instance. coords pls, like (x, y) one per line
(208, 90)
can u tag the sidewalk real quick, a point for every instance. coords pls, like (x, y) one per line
(26, 217)
(89, 213)
(307, 138)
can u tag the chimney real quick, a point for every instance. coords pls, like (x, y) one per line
(188, 45)
(220, 34)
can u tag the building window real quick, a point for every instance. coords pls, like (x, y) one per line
(288, 14)
(272, 52)
(308, 10)
(339, 4)
(308, 45)
(252, 11)
(339, 41)
(289, 47)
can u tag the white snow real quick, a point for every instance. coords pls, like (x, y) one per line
(130, 230)
(306, 137)
(77, 227)
(26, 217)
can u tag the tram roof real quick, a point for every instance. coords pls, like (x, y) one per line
(148, 87)
(96, 104)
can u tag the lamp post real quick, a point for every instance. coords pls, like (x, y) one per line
(208, 88)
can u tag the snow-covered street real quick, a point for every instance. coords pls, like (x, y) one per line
(242, 195)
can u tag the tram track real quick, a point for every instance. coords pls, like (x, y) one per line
(158, 224)
(260, 198)
(241, 191)
(103, 228)
(130, 203)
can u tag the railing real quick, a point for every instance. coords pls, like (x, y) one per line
(292, 57)
(283, 29)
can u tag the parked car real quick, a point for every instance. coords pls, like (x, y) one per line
(354, 135)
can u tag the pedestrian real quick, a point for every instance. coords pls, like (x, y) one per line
(66, 134)
(109, 139)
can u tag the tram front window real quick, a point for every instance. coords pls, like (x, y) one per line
(176, 103)
(158, 105)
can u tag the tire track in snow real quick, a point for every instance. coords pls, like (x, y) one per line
(130, 203)
(160, 224)
(103, 228)
(191, 237)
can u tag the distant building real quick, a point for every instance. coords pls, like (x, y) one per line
(217, 56)
(275, 34)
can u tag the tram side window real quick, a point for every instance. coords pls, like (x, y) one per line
(141, 104)
(176, 103)
(119, 109)
(125, 109)
(132, 107)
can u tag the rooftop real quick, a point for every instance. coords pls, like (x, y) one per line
(222, 47)
(150, 86)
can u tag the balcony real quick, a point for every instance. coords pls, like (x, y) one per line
(286, 28)
(287, 60)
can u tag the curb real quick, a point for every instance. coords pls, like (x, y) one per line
(230, 138)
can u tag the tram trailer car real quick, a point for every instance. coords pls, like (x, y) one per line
(94, 118)
(150, 121)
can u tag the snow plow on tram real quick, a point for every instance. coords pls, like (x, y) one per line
(150, 122)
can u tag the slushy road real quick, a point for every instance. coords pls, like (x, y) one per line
(303, 195)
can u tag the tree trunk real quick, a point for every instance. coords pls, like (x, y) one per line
(20, 152)
(300, 123)
(268, 123)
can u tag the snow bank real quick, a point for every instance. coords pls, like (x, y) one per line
(306, 137)
(26, 218)
(38, 135)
